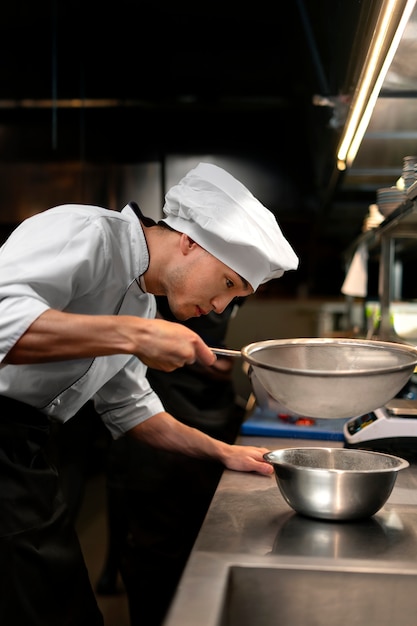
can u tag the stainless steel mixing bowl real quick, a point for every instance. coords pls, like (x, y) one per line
(335, 483)
(331, 378)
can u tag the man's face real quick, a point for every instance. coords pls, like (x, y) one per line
(200, 283)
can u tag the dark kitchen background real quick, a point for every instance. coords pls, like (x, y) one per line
(105, 103)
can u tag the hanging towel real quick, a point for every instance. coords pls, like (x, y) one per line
(356, 281)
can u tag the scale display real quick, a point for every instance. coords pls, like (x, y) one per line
(359, 423)
(380, 430)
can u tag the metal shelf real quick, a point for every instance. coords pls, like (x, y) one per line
(390, 239)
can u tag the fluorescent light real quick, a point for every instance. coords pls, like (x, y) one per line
(377, 63)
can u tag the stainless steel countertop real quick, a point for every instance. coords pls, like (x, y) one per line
(250, 525)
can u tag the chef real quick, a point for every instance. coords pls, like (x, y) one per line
(77, 322)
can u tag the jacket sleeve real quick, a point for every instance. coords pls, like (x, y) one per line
(127, 399)
(47, 262)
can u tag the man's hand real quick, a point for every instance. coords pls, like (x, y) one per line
(248, 459)
(168, 345)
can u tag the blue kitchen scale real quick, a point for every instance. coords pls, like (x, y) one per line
(391, 428)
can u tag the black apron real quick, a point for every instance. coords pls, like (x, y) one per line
(43, 576)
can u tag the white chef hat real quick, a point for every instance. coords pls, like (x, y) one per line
(223, 217)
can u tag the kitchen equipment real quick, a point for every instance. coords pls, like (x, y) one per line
(373, 218)
(270, 418)
(267, 423)
(335, 483)
(329, 378)
(389, 198)
(391, 428)
(402, 319)
(409, 171)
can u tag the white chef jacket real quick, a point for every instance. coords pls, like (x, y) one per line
(78, 259)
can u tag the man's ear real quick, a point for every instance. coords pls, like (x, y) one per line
(187, 244)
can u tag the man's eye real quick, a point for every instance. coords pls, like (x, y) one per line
(230, 284)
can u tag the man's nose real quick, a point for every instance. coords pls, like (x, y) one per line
(220, 303)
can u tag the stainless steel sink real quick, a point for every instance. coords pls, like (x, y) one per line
(270, 596)
(238, 590)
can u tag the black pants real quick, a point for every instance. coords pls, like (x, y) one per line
(155, 513)
(43, 577)
(157, 500)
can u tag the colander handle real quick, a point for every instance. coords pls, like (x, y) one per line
(236, 354)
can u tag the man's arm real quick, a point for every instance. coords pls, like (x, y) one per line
(165, 432)
(58, 336)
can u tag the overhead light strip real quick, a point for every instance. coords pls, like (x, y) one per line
(383, 47)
